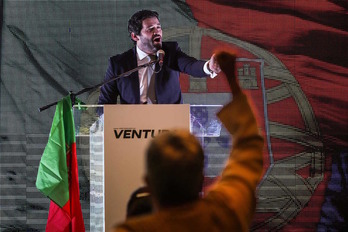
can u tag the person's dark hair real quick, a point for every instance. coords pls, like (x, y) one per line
(174, 165)
(135, 23)
(139, 203)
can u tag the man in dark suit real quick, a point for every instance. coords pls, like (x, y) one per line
(156, 84)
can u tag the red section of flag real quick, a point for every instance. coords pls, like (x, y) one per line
(69, 217)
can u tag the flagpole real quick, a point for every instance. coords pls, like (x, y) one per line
(73, 95)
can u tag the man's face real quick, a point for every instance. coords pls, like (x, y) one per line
(150, 38)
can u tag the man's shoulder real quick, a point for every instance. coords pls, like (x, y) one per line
(170, 45)
(134, 224)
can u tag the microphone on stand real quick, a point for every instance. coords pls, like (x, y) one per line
(160, 56)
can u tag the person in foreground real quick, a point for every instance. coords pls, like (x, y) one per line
(157, 84)
(174, 173)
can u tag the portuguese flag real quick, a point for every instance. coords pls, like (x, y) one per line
(57, 176)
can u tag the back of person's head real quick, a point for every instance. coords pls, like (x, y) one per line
(139, 203)
(174, 166)
(135, 23)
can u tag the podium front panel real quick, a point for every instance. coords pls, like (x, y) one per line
(127, 132)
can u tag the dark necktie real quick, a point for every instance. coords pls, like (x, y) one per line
(151, 93)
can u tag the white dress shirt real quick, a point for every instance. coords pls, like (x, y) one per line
(145, 75)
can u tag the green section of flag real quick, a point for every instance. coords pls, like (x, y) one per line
(52, 178)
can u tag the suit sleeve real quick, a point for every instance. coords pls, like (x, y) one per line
(188, 64)
(109, 92)
(237, 187)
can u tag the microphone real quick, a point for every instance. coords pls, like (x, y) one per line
(160, 56)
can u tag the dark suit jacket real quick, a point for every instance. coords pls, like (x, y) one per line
(167, 84)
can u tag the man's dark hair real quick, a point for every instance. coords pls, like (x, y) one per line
(174, 164)
(135, 23)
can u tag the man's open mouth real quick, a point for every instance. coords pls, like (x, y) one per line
(157, 39)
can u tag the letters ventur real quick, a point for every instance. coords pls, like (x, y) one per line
(136, 134)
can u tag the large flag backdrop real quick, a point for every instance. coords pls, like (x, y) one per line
(304, 46)
(292, 60)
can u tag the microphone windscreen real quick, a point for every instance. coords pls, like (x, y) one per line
(160, 53)
(160, 56)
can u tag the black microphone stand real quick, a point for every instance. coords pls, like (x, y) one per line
(73, 95)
